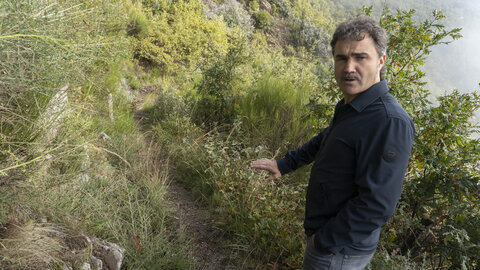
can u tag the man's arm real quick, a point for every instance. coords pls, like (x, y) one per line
(303, 155)
(381, 165)
(293, 160)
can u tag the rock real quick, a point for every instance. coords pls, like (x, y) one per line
(111, 253)
(51, 119)
(105, 137)
(85, 165)
(125, 90)
(96, 263)
(266, 6)
(86, 266)
(114, 259)
(66, 267)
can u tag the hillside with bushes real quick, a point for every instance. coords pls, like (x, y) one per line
(105, 103)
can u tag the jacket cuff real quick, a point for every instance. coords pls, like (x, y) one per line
(283, 166)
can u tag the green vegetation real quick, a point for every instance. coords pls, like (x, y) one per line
(229, 83)
(63, 159)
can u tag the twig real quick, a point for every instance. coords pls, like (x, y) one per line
(2, 171)
(113, 153)
(55, 40)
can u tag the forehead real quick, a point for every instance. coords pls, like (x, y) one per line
(348, 46)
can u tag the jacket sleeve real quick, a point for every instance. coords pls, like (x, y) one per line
(382, 159)
(303, 155)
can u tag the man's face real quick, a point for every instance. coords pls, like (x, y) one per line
(357, 66)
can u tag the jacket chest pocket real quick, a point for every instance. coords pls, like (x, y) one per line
(336, 158)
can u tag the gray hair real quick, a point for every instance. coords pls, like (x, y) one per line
(355, 29)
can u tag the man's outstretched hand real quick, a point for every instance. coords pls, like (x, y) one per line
(267, 165)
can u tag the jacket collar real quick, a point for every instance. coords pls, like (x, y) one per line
(368, 96)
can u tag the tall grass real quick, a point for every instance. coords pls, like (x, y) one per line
(50, 45)
(262, 221)
(94, 175)
(276, 114)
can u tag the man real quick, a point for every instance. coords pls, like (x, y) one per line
(359, 160)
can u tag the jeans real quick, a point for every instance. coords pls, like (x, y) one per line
(314, 260)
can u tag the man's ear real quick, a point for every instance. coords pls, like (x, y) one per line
(382, 61)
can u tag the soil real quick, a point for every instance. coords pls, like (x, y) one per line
(192, 219)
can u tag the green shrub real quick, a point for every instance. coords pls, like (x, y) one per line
(177, 36)
(385, 260)
(276, 114)
(262, 220)
(253, 6)
(262, 19)
(139, 25)
(215, 103)
(234, 15)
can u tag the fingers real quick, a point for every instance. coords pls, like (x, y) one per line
(264, 164)
(270, 179)
(267, 165)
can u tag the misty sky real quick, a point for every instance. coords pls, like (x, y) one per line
(457, 65)
(452, 66)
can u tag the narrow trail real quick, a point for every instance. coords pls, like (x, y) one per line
(191, 218)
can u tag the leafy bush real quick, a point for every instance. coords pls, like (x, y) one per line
(216, 100)
(233, 13)
(262, 19)
(409, 45)
(260, 218)
(444, 173)
(178, 35)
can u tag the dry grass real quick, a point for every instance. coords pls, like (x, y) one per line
(32, 246)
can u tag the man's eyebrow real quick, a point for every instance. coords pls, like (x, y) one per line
(361, 54)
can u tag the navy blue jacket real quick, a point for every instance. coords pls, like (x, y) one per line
(357, 175)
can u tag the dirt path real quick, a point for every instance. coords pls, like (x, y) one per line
(192, 219)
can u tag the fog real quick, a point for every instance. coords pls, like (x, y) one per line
(448, 67)
(457, 65)
(452, 66)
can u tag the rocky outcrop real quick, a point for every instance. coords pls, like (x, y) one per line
(50, 246)
(110, 253)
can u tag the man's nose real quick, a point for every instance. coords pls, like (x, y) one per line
(349, 66)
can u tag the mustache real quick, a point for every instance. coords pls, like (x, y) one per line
(350, 76)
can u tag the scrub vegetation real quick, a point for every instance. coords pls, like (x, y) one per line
(217, 84)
